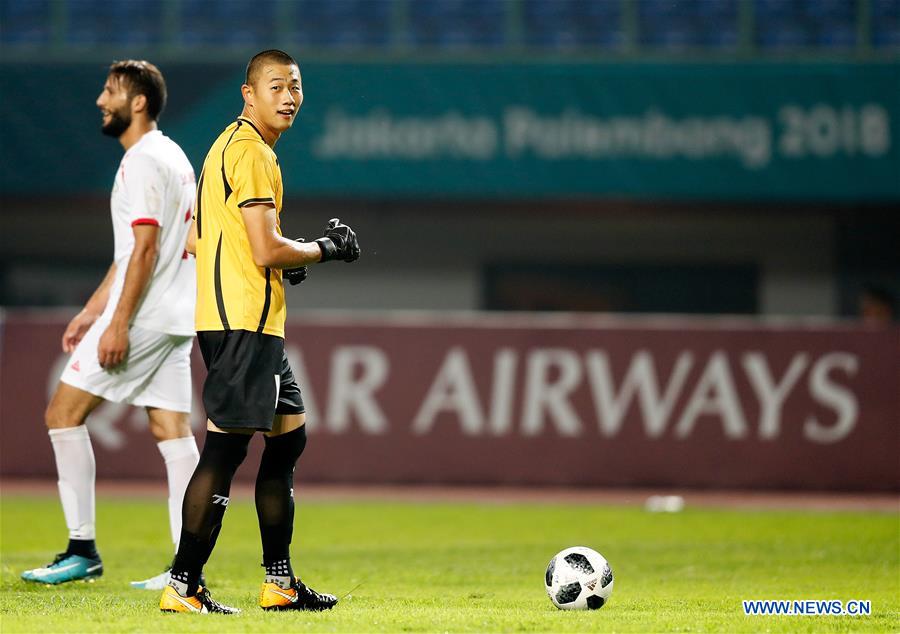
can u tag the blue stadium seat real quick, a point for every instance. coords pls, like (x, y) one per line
(236, 23)
(886, 24)
(824, 24)
(676, 25)
(836, 35)
(771, 11)
(841, 10)
(721, 38)
(341, 24)
(132, 23)
(785, 35)
(561, 25)
(662, 9)
(24, 23)
(723, 11)
(784, 25)
(457, 24)
(886, 9)
(572, 24)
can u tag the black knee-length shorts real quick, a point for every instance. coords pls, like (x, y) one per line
(249, 379)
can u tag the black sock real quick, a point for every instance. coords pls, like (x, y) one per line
(280, 572)
(275, 500)
(83, 548)
(279, 568)
(205, 501)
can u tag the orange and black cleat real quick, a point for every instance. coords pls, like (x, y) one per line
(201, 603)
(298, 597)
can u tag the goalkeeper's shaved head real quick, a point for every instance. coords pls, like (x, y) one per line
(260, 60)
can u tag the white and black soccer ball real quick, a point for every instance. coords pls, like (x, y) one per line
(579, 578)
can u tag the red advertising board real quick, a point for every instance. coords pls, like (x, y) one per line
(512, 399)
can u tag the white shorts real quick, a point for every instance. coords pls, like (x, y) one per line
(156, 372)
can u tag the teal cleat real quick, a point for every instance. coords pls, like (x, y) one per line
(66, 568)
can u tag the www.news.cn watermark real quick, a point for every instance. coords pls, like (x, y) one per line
(807, 607)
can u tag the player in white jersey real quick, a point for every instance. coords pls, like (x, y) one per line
(132, 341)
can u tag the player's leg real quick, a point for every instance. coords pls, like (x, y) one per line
(178, 448)
(83, 386)
(205, 501)
(76, 471)
(281, 589)
(274, 495)
(232, 359)
(158, 378)
(240, 397)
(172, 431)
(167, 398)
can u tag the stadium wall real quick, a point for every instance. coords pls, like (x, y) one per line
(534, 400)
(749, 131)
(793, 252)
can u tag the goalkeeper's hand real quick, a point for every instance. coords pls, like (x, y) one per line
(338, 243)
(297, 275)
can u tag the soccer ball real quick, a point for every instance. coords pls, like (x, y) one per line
(579, 578)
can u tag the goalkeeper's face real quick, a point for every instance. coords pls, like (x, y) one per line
(276, 95)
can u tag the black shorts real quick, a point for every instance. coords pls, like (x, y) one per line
(249, 379)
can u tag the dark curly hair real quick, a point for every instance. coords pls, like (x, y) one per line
(142, 78)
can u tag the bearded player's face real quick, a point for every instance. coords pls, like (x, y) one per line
(115, 107)
(277, 95)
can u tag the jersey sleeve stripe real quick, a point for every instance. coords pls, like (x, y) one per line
(256, 201)
(146, 221)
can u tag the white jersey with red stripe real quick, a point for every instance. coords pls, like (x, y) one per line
(155, 185)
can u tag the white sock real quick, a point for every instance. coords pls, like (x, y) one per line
(77, 473)
(181, 456)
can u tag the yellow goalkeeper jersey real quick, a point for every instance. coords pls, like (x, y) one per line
(233, 293)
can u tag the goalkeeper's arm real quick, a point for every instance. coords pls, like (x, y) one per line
(271, 249)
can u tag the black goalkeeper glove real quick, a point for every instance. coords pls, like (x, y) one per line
(297, 275)
(338, 243)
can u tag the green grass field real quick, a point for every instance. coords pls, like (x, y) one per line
(468, 567)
